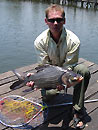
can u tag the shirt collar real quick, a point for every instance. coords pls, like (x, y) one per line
(63, 34)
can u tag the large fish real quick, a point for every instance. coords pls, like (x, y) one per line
(49, 76)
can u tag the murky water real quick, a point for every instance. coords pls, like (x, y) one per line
(22, 21)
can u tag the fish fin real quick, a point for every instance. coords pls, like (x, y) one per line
(40, 67)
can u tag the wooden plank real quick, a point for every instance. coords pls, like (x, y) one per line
(5, 89)
(6, 75)
(91, 91)
(93, 69)
(94, 79)
(28, 68)
(93, 86)
(36, 95)
(9, 76)
(91, 106)
(7, 80)
(85, 62)
(92, 118)
(81, 60)
(93, 125)
(21, 91)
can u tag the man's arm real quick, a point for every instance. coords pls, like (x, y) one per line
(73, 47)
(42, 55)
(72, 58)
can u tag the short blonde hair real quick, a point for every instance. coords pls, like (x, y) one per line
(56, 8)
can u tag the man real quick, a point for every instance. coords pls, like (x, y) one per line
(59, 46)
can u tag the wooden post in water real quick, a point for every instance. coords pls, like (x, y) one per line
(87, 4)
(82, 3)
(62, 2)
(95, 3)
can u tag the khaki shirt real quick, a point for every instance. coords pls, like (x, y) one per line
(64, 53)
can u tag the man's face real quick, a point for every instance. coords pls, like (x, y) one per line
(55, 21)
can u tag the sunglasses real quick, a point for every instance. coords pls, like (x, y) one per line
(58, 20)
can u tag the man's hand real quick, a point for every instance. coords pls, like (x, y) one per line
(60, 87)
(73, 83)
(31, 83)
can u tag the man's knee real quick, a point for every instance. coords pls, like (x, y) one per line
(83, 70)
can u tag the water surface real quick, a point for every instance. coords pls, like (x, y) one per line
(22, 21)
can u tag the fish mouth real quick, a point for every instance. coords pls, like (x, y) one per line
(80, 78)
(71, 79)
(74, 79)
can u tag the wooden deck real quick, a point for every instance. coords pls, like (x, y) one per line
(56, 115)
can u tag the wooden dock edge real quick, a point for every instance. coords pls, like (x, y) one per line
(8, 78)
